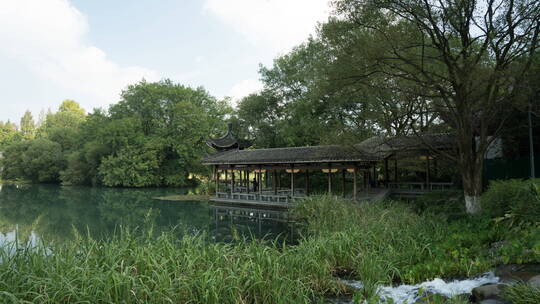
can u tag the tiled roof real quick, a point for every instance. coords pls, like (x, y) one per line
(228, 141)
(372, 149)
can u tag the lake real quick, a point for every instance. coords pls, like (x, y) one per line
(34, 213)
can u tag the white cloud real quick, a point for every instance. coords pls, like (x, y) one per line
(48, 38)
(244, 88)
(279, 24)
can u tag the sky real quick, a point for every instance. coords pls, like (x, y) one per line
(89, 50)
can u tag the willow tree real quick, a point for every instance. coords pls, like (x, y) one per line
(469, 57)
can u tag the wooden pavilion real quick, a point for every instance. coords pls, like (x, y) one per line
(254, 176)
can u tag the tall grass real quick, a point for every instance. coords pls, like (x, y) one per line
(522, 294)
(378, 244)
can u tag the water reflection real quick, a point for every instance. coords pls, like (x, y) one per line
(52, 213)
(234, 222)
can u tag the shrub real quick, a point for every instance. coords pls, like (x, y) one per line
(449, 202)
(512, 201)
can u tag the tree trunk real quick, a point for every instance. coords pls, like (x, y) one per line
(472, 184)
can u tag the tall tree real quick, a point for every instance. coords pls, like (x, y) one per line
(28, 126)
(469, 58)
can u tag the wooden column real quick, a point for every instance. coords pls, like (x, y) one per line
(260, 180)
(226, 178)
(216, 179)
(354, 183)
(248, 182)
(274, 183)
(343, 182)
(279, 180)
(292, 180)
(306, 181)
(329, 179)
(232, 181)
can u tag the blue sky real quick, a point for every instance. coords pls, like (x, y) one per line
(89, 50)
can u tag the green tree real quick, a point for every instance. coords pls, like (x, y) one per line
(28, 126)
(153, 137)
(468, 58)
(8, 134)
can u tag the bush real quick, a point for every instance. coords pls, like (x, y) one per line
(512, 201)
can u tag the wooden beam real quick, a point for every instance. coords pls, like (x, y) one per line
(304, 166)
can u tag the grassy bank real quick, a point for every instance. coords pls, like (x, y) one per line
(378, 244)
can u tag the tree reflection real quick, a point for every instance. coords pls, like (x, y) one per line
(53, 213)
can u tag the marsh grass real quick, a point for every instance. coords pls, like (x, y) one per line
(377, 244)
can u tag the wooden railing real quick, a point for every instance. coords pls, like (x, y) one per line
(264, 197)
(420, 186)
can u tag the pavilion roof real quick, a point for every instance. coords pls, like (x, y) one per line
(369, 150)
(228, 142)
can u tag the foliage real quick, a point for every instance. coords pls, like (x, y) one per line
(8, 134)
(153, 137)
(28, 126)
(448, 202)
(37, 160)
(512, 201)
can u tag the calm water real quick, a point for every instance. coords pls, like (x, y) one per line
(30, 213)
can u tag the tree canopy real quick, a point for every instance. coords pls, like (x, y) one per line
(152, 137)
